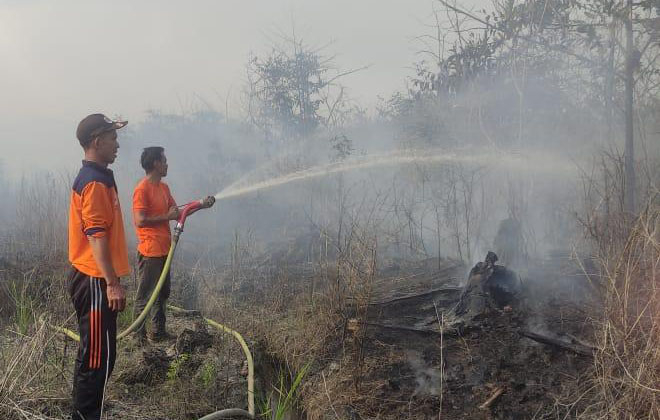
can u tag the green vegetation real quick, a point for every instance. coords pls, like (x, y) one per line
(174, 369)
(24, 306)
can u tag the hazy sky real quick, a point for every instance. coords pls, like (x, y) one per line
(63, 59)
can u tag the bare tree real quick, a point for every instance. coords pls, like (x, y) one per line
(294, 90)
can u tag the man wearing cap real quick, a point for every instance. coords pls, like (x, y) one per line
(99, 257)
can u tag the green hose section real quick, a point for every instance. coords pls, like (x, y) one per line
(163, 275)
(66, 332)
(138, 321)
(228, 413)
(246, 350)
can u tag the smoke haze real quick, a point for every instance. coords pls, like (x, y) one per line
(63, 60)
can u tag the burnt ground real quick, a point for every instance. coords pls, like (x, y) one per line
(388, 359)
(197, 371)
(398, 363)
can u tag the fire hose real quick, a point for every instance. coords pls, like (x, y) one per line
(189, 209)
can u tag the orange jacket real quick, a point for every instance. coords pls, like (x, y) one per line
(95, 211)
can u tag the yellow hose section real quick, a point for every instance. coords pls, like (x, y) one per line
(147, 308)
(154, 295)
(246, 350)
(150, 303)
(66, 332)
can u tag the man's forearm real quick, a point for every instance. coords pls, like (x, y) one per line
(101, 252)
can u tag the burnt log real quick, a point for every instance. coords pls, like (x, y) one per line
(488, 286)
(574, 347)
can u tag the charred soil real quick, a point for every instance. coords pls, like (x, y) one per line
(402, 354)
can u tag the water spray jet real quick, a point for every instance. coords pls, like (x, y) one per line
(497, 158)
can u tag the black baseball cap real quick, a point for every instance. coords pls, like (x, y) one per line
(94, 125)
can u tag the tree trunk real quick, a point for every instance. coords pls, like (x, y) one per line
(629, 163)
(609, 87)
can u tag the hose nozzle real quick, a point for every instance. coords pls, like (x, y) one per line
(207, 202)
(190, 208)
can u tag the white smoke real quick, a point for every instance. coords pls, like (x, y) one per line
(427, 378)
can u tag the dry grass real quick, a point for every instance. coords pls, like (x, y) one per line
(300, 321)
(332, 393)
(626, 374)
(33, 369)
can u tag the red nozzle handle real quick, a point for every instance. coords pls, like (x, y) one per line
(192, 207)
(189, 209)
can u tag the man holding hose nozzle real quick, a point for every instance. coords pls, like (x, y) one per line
(99, 257)
(153, 208)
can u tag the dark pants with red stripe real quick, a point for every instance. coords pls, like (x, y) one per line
(98, 341)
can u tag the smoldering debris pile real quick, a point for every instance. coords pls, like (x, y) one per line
(489, 287)
(489, 349)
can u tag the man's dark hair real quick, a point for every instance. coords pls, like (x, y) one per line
(149, 156)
